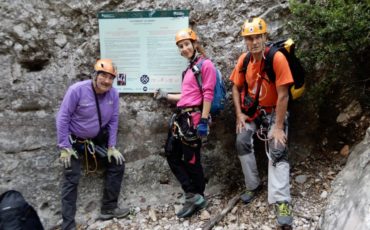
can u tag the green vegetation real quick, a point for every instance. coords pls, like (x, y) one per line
(334, 39)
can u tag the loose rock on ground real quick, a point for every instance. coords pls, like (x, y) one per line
(308, 200)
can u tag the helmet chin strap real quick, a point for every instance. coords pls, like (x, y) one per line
(195, 56)
(94, 80)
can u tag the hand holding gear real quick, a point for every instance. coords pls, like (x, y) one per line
(160, 94)
(202, 128)
(113, 152)
(65, 156)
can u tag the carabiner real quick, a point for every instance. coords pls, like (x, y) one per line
(90, 147)
(71, 140)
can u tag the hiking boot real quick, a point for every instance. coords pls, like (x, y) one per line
(193, 203)
(201, 203)
(115, 213)
(249, 195)
(283, 214)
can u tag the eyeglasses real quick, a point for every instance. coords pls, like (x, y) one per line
(106, 76)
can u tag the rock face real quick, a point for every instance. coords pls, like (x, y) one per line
(45, 46)
(348, 204)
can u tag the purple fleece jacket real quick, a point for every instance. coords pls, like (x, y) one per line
(78, 113)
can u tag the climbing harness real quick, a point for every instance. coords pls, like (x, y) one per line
(182, 126)
(89, 148)
(262, 131)
(262, 134)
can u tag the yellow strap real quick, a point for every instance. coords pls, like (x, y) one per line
(87, 170)
(190, 109)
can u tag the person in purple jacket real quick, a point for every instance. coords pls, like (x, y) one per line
(77, 124)
(190, 124)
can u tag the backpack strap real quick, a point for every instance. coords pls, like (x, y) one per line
(246, 60)
(197, 70)
(252, 111)
(243, 70)
(269, 69)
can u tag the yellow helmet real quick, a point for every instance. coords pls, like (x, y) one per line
(186, 34)
(254, 26)
(106, 65)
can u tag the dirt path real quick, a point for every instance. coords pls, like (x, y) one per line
(310, 186)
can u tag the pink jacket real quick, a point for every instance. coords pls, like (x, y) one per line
(190, 93)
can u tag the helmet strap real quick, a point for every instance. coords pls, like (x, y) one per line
(94, 79)
(195, 54)
(194, 58)
(94, 74)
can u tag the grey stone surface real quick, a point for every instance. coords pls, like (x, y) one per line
(348, 204)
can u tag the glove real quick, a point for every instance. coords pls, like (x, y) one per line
(65, 156)
(113, 152)
(160, 94)
(202, 128)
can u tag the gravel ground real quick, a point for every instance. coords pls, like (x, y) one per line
(310, 186)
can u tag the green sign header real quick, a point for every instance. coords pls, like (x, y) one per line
(143, 14)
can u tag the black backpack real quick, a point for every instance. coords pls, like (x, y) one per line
(16, 213)
(286, 47)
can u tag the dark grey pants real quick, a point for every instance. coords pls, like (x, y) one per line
(185, 164)
(112, 187)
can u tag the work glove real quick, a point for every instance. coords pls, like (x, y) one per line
(113, 152)
(160, 94)
(65, 156)
(202, 128)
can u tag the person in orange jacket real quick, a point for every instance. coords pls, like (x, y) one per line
(252, 85)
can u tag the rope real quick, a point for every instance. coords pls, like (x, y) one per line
(89, 148)
(182, 135)
(261, 134)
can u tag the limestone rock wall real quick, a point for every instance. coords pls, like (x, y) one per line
(349, 203)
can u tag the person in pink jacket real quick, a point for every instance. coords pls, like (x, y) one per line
(190, 123)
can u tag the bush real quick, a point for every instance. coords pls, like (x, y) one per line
(335, 38)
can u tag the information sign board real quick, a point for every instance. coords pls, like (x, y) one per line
(142, 45)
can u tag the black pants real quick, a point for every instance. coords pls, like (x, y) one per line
(112, 187)
(186, 166)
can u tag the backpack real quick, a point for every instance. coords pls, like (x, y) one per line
(16, 213)
(219, 95)
(286, 47)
